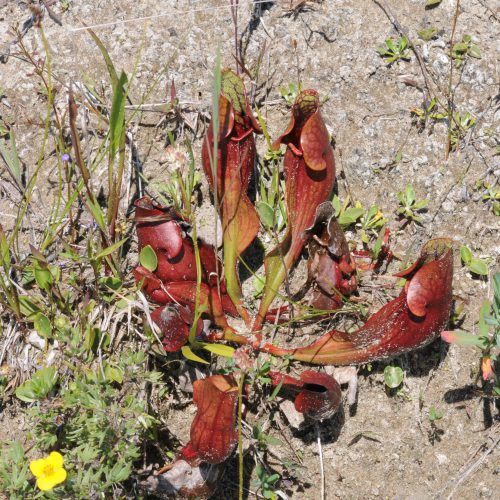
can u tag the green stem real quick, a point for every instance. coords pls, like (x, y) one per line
(241, 384)
(32, 181)
(192, 331)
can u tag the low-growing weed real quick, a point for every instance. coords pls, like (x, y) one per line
(265, 482)
(487, 340)
(409, 205)
(393, 376)
(427, 34)
(475, 265)
(395, 50)
(14, 471)
(290, 92)
(465, 48)
(98, 421)
(460, 124)
(428, 111)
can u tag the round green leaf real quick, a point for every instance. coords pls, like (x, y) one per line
(460, 47)
(148, 258)
(266, 213)
(475, 51)
(393, 376)
(43, 277)
(478, 266)
(465, 254)
(42, 325)
(42, 382)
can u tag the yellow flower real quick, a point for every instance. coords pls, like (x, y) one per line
(49, 471)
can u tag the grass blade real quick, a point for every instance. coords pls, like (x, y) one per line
(11, 158)
(113, 76)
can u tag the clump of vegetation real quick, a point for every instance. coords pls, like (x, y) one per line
(475, 265)
(395, 50)
(487, 340)
(409, 205)
(465, 48)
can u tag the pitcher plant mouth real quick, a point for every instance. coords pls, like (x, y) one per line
(233, 169)
(408, 322)
(309, 170)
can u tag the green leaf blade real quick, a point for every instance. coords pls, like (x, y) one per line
(148, 258)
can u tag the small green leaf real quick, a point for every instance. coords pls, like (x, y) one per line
(43, 277)
(378, 244)
(393, 376)
(42, 325)
(465, 254)
(390, 45)
(97, 214)
(427, 34)
(114, 374)
(336, 205)
(432, 3)
(434, 414)
(220, 350)
(11, 158)
(189, 354)
(42, 382)
(463, 338)
(119, 472)
(478, 266)
(111, 282)
(148, 258)
(350, 216)
(409, 195)
(420, 204)
(460, 48)
(28, 307)
(110, 249)
(272, 478)
(475, 51)
(266, 213)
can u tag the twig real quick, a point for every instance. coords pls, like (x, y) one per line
(5, 48)
(115, 22)
(472, 468)
(51, 13)
(451, 94)
(487, 7)
(346, 180)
